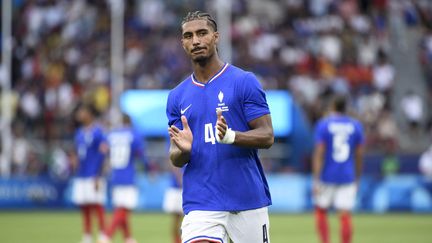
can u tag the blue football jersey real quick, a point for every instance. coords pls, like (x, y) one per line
(88, 142)
(220, 177)
(125, 146)
(341, 135)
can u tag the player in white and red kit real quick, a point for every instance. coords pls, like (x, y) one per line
(89, 188)
(337, 165)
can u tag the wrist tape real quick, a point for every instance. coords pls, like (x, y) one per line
(228, 138)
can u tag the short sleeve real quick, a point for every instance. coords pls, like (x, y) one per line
(139, 148)
(100, 136)
(360, 133)
(138, 143)
(172, 112)
(320, 132)
(255, 103)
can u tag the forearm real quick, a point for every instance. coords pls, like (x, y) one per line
(259, 138)
(358, 163)
(177, 157)
(316, 168)
(317, 162)
(103, 149)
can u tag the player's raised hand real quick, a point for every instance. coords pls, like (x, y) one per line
(181, 138)
(221, 125)
(224, 134)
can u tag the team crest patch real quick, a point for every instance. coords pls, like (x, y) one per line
(221, 104)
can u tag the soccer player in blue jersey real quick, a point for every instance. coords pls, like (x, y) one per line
(337, 165)
(218, 118)
(125, 145)
(89, 188)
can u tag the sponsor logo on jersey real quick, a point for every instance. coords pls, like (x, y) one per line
(182, 111)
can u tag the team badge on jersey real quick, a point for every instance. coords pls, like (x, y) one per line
(221, 105)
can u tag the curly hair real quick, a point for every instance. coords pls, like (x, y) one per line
(198, 15)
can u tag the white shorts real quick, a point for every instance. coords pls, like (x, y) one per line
(341, 197)
(173, 201)
(125, 197)
(250, 226)
(84, 191)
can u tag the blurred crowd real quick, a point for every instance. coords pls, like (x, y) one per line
(314, 48)
(425, 53)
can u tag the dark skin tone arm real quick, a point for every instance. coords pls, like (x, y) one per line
(317, 163)
(358, 156)
(177, 157)
(103, 148)
(259, 136)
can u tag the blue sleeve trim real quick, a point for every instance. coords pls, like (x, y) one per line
(204, 237)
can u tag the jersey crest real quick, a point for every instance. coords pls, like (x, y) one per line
(221, 105)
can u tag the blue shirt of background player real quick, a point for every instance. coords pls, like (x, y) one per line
(341, 135)
(220, 177)
(125, 146)
(88, 141)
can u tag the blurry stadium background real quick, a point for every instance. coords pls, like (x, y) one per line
(57, 53)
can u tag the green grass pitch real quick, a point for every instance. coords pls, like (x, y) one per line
(65, 227)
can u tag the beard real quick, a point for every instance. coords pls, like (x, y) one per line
(202, 60)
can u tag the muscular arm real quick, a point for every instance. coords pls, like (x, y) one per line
(177, 157)
(104, 149)
(260, 136)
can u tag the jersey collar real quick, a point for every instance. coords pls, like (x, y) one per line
(213, 78)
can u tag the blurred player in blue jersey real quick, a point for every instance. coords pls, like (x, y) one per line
(218, 118)
(337, 165)
(173, 202)
(89, 189)
(125, 146)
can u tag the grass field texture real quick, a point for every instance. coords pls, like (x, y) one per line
(65, 227)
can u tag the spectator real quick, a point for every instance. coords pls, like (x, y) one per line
(412, 108)
(387, 131)
(326, 46)
(425, 167)
(20, 152)
(425, 164)
(390, 164)
(383, 75)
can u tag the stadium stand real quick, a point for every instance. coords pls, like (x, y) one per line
(310, 48)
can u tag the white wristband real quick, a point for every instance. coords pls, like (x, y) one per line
(228, 138)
